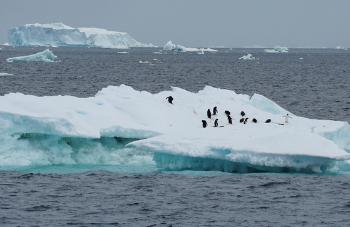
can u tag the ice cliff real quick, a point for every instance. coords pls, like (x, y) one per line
(59, 34)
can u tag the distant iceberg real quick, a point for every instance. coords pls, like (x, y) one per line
(170, 46)
(44, 56)
(247, 57)
(277, 49)
(341, 48)
(59, 34)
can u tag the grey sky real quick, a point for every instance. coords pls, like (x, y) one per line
(229, 23)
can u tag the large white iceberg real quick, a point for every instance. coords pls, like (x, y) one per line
(277, 49)
(59, 34)
(44, 56)
(170, 46)
(68, 130)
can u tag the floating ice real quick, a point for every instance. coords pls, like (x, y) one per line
(170, 46)
(5, 74)
(59, 34)
(341, 48)
(44, 56)
(277, 49)
(98, 130)
(144, 62)
(247, 57)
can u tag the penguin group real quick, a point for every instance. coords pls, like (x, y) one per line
(243, 120)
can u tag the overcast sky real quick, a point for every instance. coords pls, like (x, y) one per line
(229, 23)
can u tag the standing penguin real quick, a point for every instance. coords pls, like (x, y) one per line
(242, 113)
(209, 113)
(254, 120)
(286, 117)
(170, 99)
(215, 110)
(216, 123)
(227, 112)
(204, 123)
(229, 118)
(241, 120)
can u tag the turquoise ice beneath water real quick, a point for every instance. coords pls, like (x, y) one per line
(122, 129)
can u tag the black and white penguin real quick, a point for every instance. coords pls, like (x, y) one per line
(241, 120)
(209, 113)
(204, 123)
(229, 118)
(215, 110)
(216, 123)
(227, 112)
(254, 120)
(268, 121)
(170, 99)
(242, 113)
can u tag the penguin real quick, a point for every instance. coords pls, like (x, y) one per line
(254, 120)
(229, 118)
(242, 113)
(215, 110)
(241, 120)
(268, 121)
(204, 123)
(245, 120)
(209, 113)
(170, 99)
(227, 112)
(216, 123)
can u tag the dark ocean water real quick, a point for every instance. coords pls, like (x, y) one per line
(316, 86)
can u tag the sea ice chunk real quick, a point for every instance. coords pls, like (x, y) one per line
(173, 133)
(44, 56)
(170, 46)
(247, 57)
(277, 49)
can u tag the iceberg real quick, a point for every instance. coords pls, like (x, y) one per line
(341, 48)
(170, 46)
(277, 49)
(59, 34)
(247, 57)
(120, 122)
(44, 56)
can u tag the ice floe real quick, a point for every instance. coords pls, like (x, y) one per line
(65, 128)
(44, 56)
(247, 57)
(170, 46)
(277, 49)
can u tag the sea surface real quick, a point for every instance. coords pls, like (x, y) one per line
(313, 83)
